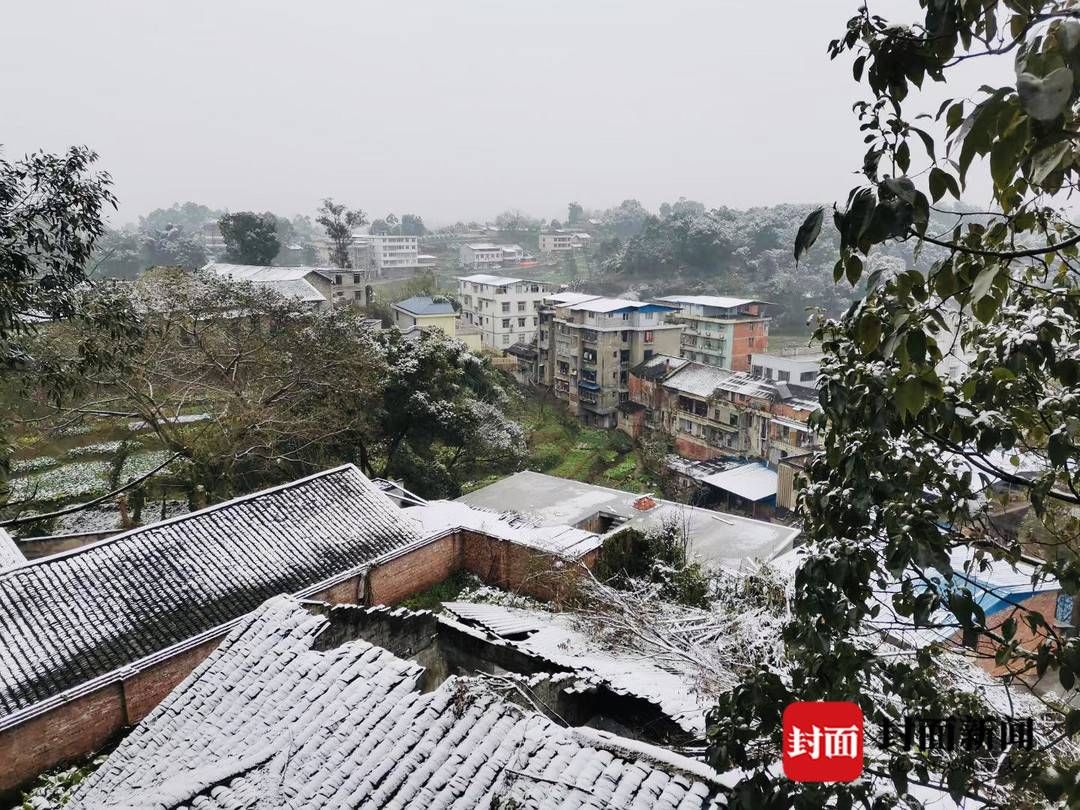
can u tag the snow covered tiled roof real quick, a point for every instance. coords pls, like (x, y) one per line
(270, 720)
(76, 616)
(10, 554)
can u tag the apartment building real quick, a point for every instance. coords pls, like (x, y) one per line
(489, 256)
(714, 413)
(384, 253)
(721, 331)
(563, 241)
(801, 368)
(588, 345)
(505, 309)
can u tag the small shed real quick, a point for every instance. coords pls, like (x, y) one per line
(751, 486)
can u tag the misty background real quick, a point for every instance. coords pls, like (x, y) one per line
(455, 110)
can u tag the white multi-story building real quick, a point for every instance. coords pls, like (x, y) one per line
(798, 368)
(561, 241)
(506, 310)
(481, 256)
(384, 252)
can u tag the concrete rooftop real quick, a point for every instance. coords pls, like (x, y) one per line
(716, 538)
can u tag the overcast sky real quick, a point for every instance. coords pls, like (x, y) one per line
(452, 109)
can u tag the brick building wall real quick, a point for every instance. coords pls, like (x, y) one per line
(1044, 603)
(692, 448)
(401, 577)
(86, 724)
(71, 730)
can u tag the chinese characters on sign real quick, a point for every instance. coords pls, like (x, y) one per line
(823, 741)
(978, 734)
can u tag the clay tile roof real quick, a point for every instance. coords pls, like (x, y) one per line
(80, 615)
(272, 719)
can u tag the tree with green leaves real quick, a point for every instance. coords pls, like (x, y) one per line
(172, 246)
(575, 214)
(898, 522)
(51, 216)
(287, 391)
(339, 222)
(250, 238)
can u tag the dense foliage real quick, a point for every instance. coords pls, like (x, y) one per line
(934, 379)
(250, 238)
(50, 218)
(279, 391)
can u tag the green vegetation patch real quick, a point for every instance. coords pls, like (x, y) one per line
(446, 591)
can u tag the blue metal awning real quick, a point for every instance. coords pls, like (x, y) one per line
(589, 386)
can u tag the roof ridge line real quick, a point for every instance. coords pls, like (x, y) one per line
(180, 518)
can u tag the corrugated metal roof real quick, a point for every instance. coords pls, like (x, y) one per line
(697, 379)
(493, 617)
(289, 282)
(484, 278)
(718, 301)
(755, 482)
(425, 305)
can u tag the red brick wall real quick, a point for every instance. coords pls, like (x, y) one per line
(349, 592)
(416, 571)
(689, 447)
(86, 724)
(1044, 603)
(146, 689)
(67, 732)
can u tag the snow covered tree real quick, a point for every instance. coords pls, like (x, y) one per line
(250, 238)
(172, 246)
(50, 220)
(339, 221)
(899, 486)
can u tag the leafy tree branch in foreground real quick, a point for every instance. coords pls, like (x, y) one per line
(896, 496)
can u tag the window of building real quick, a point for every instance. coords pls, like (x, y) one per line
(521, 306)
(536, 321)
(686, 426)
(521, 321)
(506, 306)
(756, 371)
(648, 354)
(733, 419)
(783, 376)
(648, 337)
(357, 294)
(506, 323)
(506, 339)
(337, 278)
(808, 376)
(355, 278)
